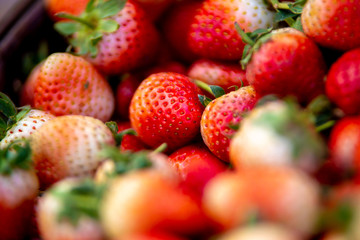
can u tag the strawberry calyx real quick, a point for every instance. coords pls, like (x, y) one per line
(289, 12)
(214, 90)
(293, 123)
(85, 31)
(253, 41)
(9, 114)
(119, 135)
(78, 199)
(15, 155)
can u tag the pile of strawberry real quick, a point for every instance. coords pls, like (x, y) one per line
(188, 119)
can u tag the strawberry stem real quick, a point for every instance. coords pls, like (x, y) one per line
(203, 86)
(245, 38)
(76, 19)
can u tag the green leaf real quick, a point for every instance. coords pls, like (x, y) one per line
(108, 26)
(217, 91)
(90, 6)
(111, 7)
(24, 110)
(66, 28)
(204, 100)
(297, 24)
(295, 8)
(112, 126)
(282, 15)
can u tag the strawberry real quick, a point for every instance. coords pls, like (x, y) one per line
(152, 236)
(286, 62)
(19, 187)
(166, 109)
(342, 83)
(114, 36)
(277, 133)
(142, 201)
(176, 27)
(154, 8)
(333, 24)
(70, 210)
(277, 194)
(132, 143)
(124, 93)
(225, 75)
(196, 166)
(212, 33)
(16, 125)
(54, 7)
(68, 84)
(68, 146)
(27, 90)
(343, 141)
(265, 231)
(223, 113)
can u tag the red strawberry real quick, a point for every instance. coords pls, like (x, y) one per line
(68, 146)
(277, 133)
(114, 36)
(16, 125)
(176, 27)
(343, 82)
(68, 84)
(277, 194)
(19, 187)
(223, 113)
(70, 210)
(60, 6)
(132, 143)
(124, 93)
(343, 141)
(333, 24)
(166, 109)
(196, 166)
(225, 75)
(154, 8)
(287, 63)
(212, 33)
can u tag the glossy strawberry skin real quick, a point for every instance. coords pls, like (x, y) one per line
(333, 24)
(222, 74)
(288, 63)
(221, 115)
(68, 146)
(343, 82)
(196, 165)
(166, 108)
(132, 46)
(213, 35)
(68, 84)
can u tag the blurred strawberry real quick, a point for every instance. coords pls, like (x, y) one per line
(154, 8)
(27, 91)
(54, 7)
(225, 75)
(68, 84)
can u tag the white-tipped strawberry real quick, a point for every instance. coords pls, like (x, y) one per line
(277, 133)
(69, 211)
(19, 187)
(68, 146)
(17, 125)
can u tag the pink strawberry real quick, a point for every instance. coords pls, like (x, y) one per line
(113, 35)
(333, 24)
(68, 146)
(225, 75)
(343, 82)
(223, 113)
(27, 91)
(212, 33)
(68, 84)
(286, 62)
(166, 109)
(19, 125)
